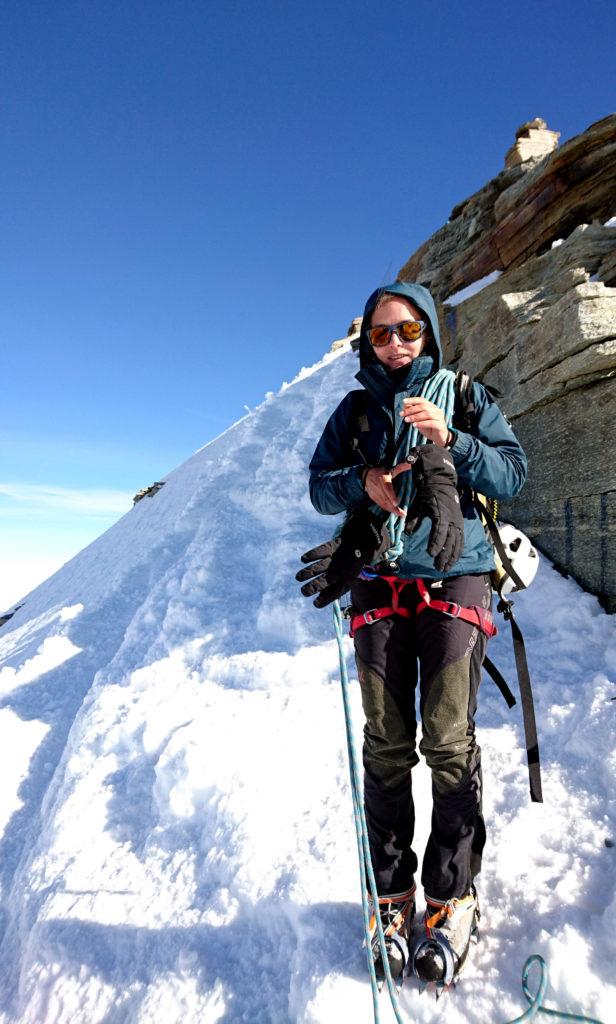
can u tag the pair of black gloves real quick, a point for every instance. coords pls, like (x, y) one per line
(364, 537)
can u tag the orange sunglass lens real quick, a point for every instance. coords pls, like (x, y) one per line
(379, 336)
(410, 330)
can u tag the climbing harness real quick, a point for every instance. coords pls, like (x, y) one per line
(481, 618)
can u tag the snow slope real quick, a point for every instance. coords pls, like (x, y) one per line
(177, 840)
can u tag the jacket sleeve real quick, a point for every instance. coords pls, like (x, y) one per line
(491, 460)
(335, 480)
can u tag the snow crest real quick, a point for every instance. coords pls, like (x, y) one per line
(176, 825)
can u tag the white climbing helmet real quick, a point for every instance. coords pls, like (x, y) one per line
(522, 555)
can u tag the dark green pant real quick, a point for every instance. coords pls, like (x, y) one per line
(445, 655)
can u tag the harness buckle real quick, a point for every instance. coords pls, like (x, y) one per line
(370, 617)
(452, 609)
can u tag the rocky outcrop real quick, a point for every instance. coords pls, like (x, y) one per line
(544, 333)
(521, 212)
(352, 336)
(532, 141)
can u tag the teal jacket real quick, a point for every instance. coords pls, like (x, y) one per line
(366, 429)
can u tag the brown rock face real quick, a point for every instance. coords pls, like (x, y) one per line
(521, 212)
(545, 336)
(544, 333)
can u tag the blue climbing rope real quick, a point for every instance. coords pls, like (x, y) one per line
(363, 847)
(365, 867)
(439, 389)
(535, 1002)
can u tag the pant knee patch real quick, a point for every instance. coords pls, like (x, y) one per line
(448, 739)
(389, 732)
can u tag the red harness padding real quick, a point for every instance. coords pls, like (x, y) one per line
(374, 614)
(476, 616)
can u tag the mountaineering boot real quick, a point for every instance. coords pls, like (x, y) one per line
(441, 944)
(396, 913)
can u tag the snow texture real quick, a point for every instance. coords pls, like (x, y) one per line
(177, 839)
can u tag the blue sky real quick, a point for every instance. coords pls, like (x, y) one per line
(197, 198)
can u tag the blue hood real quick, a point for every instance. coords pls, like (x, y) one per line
(421, 298)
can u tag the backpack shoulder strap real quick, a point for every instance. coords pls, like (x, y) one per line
(360, 423)
(464, 398)
(464, 395)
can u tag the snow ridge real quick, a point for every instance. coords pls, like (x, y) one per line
(177, 831)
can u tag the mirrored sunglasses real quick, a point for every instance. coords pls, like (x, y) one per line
(407, 330)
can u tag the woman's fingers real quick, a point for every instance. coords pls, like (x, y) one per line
(424, 414)
(380, 488)
(426, 417)
(402, 467)
(418, 416)
(388, 500)
(418, 402)
(420, 408)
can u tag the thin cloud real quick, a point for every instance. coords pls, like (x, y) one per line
(88, 502)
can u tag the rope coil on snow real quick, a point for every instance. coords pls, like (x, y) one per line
(535, 1001)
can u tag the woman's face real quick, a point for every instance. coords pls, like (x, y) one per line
(397, 353)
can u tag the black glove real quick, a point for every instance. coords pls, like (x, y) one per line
(436, 497)
(338, 562)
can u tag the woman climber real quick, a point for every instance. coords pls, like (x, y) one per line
(402, 460)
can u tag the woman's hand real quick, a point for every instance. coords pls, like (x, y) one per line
(379, 487)
(427, 417)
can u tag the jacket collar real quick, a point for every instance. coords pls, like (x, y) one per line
(385, 386)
